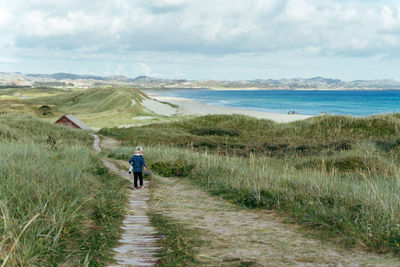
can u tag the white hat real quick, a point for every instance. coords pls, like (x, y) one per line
(139, 148)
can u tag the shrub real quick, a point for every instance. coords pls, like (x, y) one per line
(172, 168)
(350, 164)
(363, 210)
(177, 241)
(57, 204)
(215, 131)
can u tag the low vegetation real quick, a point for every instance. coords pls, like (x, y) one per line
(97, 107)
(241, 135)
(177, 241)
(58, 204)
(339, 174)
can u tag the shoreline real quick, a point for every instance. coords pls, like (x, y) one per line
(268, 89)
(192, 107)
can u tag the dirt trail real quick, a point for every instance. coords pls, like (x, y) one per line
(238, 236)
(110, 143)
(138, 245)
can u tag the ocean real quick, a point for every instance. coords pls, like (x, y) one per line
(307, 102)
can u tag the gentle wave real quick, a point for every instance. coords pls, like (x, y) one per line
(308, 102)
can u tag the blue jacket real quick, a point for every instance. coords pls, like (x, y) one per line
(137, 161)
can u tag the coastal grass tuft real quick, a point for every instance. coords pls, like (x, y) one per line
(215, 131)
(241, 135)
(58, 204)
(355, 203)
(351, 164)
(177, 242)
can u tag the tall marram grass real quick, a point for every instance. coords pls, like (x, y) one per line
(58, 205)
(50, 186)
(361, 209)
(251, 131)
(26, 128)
(337, 173)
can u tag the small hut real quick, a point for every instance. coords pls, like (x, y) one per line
(71, 120)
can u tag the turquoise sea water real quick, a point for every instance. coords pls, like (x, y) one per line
(309, 102)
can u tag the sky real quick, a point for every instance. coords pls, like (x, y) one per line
(203, 39)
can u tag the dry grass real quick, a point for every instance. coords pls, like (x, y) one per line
(57, 203)
(237, 236)
(109, 143)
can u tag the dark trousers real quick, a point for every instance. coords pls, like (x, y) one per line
(137, 175)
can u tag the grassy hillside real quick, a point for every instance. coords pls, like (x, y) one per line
(57, 203)
(334, 173)
(97, 107)
(242, 135)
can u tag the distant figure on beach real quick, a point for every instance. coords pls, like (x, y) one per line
(137, 166)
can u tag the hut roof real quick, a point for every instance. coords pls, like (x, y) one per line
(76, 121)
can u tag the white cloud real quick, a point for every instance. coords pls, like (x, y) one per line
(209, 26)
(8, 60)
(197, 31)
(167, 3)
(299, 11)
(6, 17)
(144, 69)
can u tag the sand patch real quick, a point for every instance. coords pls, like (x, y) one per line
(158, 108)
(191, 107)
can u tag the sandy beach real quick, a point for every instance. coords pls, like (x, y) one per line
(191, 107)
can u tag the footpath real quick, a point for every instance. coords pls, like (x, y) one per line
(236, 236)
(232, 235)
(138, 245)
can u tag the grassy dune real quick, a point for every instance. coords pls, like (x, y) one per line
(57, 203)
(334, 173)
(97, 107)
(241, 135)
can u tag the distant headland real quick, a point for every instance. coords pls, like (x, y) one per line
(145, 82)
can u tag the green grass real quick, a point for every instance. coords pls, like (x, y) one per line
(338, 174)
(27, 128)
(241, 135)
(57, 203)
(97, 107)
(177, 241)
(363, 210)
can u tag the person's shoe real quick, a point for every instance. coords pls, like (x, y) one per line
(141, 187)
(135, 188)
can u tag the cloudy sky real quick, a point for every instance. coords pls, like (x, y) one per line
(203, 39)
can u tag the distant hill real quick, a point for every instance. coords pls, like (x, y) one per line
(146, 82)
(97, 107)
(66, 76)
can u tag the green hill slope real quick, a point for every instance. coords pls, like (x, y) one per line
(58, 205)
(97, 107)
(335, 173)
(241, 134)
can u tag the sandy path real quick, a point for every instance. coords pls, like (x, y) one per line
(138, 245)
(110, 143)
(96, 143)
(239, 236)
